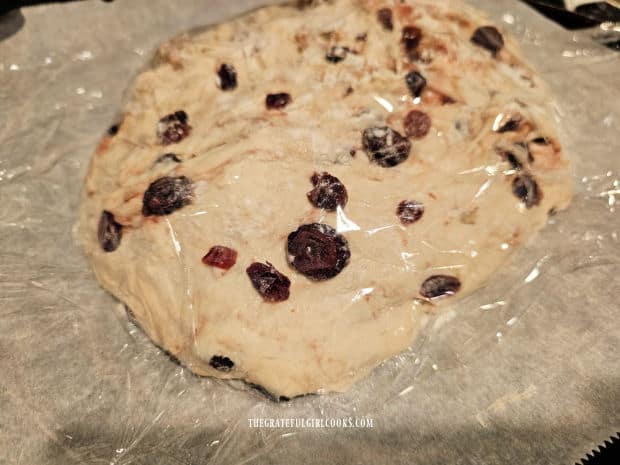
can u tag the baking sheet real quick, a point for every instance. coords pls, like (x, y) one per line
(526, 370)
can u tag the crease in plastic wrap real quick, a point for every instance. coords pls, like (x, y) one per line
(526, 368)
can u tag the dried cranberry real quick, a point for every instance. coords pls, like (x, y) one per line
(447, 100)
(181, 116)
(417, 124)
(440, 285)
(510, 158)
(384, 15)
(220, 257)
(415, 82)
(272, 285)
(525, 187)
(488, 37)
(411, 38)
(173, 128)
(168, 157)
(167, 195)
(328, 192)
(221, 363)
(409, 211)
(318, 251)
(228, 77)
(277, 101)
(510, 126)
(507, 122)
(113, 130)
(109, 232)
(336, 54)
(301, 4)
(385, 146)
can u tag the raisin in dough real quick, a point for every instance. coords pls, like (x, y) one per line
(242, 134)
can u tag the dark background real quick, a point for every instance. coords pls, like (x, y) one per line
(586, 15)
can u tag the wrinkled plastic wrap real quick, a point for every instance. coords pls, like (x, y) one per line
(525, 370)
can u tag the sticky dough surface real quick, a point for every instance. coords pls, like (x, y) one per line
(251, 170)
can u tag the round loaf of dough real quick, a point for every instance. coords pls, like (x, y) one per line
(289, 193)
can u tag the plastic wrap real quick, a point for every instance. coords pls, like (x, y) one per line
(524, 369)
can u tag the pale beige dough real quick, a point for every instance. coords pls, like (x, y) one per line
(251, 171)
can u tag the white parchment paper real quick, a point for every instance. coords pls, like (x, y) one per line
(527, 370)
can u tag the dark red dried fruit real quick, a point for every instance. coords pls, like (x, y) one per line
(508, 122)
(181, 116)
(409, 211)
(515, 155)
(447, 100)
(488, 37)
(440, 285)
(173, 128)
(525, 187)
(220, 257)
(272, 285)
(221, 363)
(385, 17)
(277, 101)
(510, 158)
(168, 157)
(510, 126)
(317, 251)
(167, 195)
(113, 130)
(411, 38)
(385, 146)
(301, 4)
(109, 232)
(415, 83)
(417, 124)
(328, 192)
(228, 77)
(336, 54)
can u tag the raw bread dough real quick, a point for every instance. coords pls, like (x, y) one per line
(491, 140)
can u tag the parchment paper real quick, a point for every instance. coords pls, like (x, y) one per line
(527, 370)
